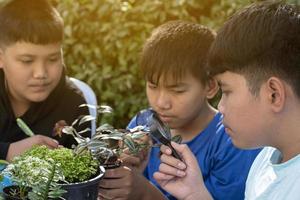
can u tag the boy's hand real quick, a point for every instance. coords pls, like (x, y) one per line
(116, 184)
(58, 127)
(123, 183)
(182, 180)
(19, 147)
(138, 162)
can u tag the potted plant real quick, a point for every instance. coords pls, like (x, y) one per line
(52, 174)
(107, 144)
(74, 173)
(32, 176)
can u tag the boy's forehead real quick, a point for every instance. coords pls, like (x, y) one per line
(32, 48)
(229, 78)
(169, 79)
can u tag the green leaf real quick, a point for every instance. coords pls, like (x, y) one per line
(86, 118)
(130, 143)
(177, 139)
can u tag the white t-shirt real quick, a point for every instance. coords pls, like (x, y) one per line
(268, 180)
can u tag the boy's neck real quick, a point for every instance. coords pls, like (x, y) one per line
(19, 107)
(286, 156)
(287, 133)
(291, 146)
(195, 127)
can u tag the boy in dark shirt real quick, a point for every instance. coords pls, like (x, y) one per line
(33, 85)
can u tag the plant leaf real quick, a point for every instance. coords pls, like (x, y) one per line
(104, 109)
(88, 105)
(69, 130)
(130, 143)
(86, 118)
(83, 131)
(177, 139)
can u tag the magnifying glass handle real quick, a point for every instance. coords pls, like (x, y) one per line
(174, 152)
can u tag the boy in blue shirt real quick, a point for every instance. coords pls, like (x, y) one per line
(255, 58)
(178, 89)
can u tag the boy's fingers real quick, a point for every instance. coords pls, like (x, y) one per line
(165, 149)
(126, 151)
(44, 140)
(117, 173)
(131, 160)
(185, 152)
(19, 147)
(174, 162)
(162, 177)
(169, 170)
(112, 183)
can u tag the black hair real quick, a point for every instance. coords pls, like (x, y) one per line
(175, 48)
(260, 41)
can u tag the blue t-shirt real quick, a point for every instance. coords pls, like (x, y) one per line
(224, 167)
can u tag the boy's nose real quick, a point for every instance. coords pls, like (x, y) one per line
(163, 101)
(40, 71)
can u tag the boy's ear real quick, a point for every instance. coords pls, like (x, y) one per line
(276, 93)
(212, 88)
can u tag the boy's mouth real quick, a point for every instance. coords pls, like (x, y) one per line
(39, 87)
(39, 83)
(165, 118)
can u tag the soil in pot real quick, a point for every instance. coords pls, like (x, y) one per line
(13, 192)
(86, 190)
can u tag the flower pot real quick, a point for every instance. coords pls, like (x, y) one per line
(13, 193)
(86, 190)
(5, 182)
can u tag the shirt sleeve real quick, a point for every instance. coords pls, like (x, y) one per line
(132, 123)
(3, 150)
(140, 119)
(229, 172)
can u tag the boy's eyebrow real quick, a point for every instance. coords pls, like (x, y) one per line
(55, 54)
(172, 85)
(176, 85)
(58, 53)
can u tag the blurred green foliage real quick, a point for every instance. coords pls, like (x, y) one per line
(103, 39)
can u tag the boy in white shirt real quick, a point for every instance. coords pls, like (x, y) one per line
(256, 60)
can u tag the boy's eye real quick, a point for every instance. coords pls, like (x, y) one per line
(27, 61)
(54, 59)
(225, 92)
(152, 86)
(179, 90)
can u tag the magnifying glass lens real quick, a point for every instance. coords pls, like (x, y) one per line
(161, 133)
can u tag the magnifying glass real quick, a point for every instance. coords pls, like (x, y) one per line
(161, 133)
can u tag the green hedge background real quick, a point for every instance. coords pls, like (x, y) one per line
(103, 39)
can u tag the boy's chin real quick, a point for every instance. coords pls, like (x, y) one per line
(38, 98)
(243, 145)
